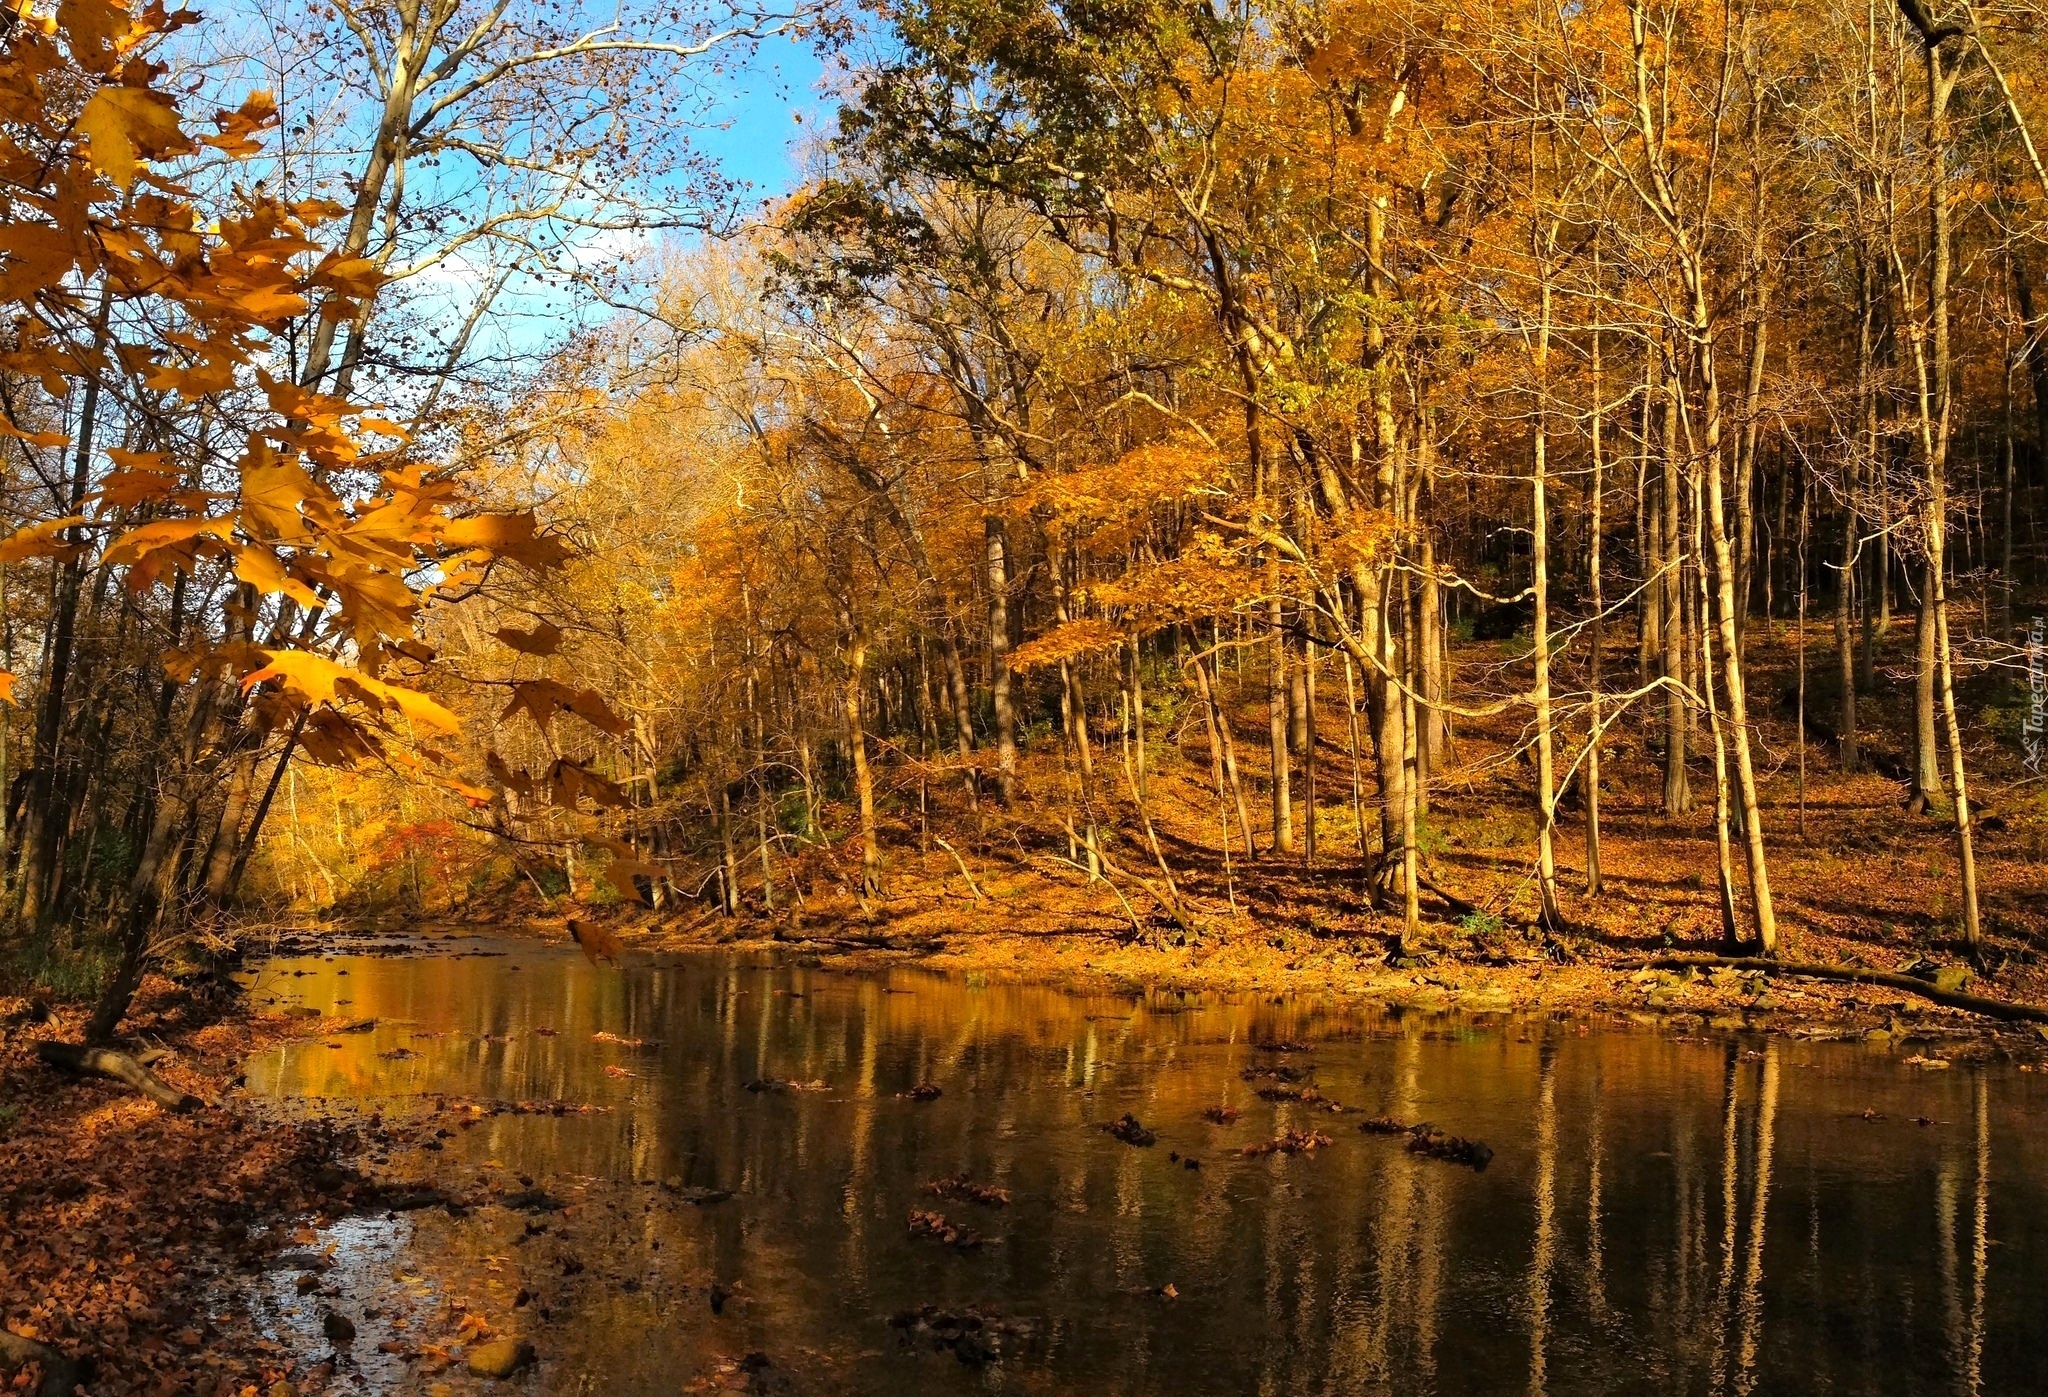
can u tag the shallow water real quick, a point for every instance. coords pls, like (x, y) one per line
(1662, 1214)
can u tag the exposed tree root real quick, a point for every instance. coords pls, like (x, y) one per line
(106, 1062)
(1858, 975)
(60, 1374)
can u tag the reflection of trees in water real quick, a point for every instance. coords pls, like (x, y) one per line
(1702, 1215)
(1542, 1254)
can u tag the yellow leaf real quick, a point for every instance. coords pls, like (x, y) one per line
(352, 276)
(6, 687)
(598, 942)
(477, 796)
(137, 476)
(319, 680)
(126, 124)
(1069, 640)
(514, 536)
(139, 543)
(38, 541)
(8, 429)
(262, 569)
(271, 493)
(542, 698)
(38, 256)
(266, 305)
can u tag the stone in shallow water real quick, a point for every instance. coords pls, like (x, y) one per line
(500, 1358)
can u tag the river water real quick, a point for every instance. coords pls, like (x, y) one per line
(1662, 1213)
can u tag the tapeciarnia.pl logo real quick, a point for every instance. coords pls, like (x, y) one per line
(2037, 693)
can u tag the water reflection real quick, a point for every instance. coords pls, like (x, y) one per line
(1668, 1215)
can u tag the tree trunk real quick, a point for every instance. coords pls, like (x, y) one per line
(1761, 909)
(1677, 713)
(1589, 779)
(863, 779)
(1539, 551)
(999, 657)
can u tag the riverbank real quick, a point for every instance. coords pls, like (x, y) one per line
(124, 1222)
(1019, 924)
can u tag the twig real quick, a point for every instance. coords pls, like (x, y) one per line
(961, 864)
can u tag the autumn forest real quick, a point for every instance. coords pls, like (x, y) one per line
(1486, 499)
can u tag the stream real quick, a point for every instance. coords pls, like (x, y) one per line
(1664, 1211)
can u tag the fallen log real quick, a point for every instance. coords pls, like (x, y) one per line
(1859, 975)
(61, 1375)
(83, 1061)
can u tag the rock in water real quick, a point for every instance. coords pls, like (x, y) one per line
(339, 1329)
(500, 1358)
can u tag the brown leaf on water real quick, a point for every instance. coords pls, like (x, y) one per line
(1288, 1142)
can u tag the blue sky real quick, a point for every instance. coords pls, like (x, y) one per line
(758, 135)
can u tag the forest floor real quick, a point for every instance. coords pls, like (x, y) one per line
(123, 1225)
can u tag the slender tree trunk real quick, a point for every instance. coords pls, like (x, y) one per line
(1589, 779)
(220, 853)
(1927, 795)
(1804, 491)
(863, 778)
(250, 836)
(1539, 549)
(1306, 681)
(1435, 664)
(1210, 683)
(1846, 589)
(999, 657)
(1723, 849)
(1937, 416)
(1209, 722)
(1411, 852)
(1761, 909)
(1677, 714)
(1352, 745)
(40, 839)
